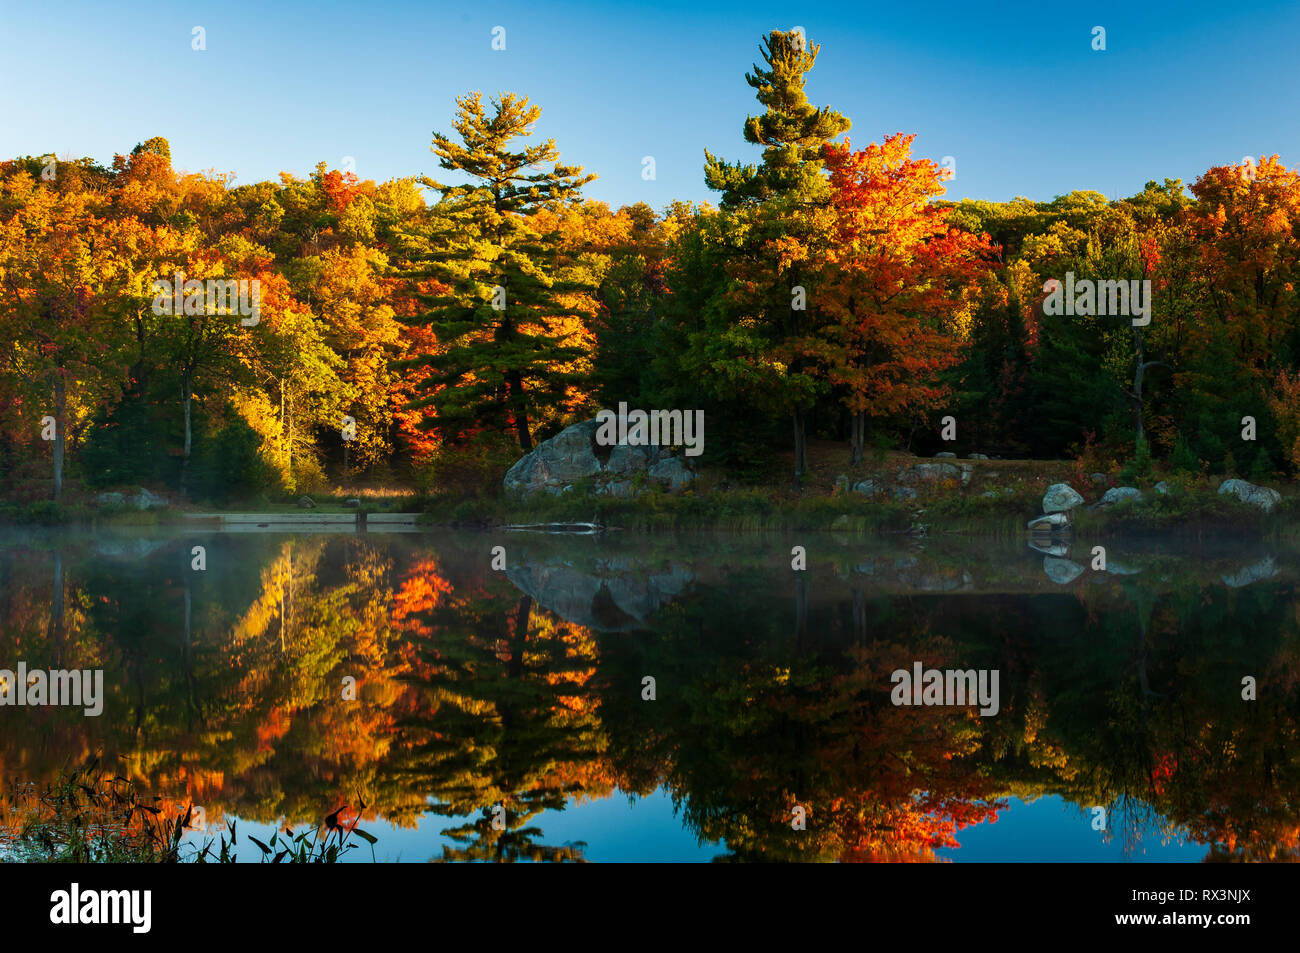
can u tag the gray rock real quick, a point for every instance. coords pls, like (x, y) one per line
(1117, 494)
(841, 484)
(991, 494)
(625, 459)
(352, 504)
(306, 503)
(867, 487)
(1098, 478)
(110, 499)
(671, 472)
(946, 455)
(977, 456)
(145, 500)
(904, 493)
(1061, 571)
(928, 471)
(1162, 487)
(966, 470)
(1261, 496)
(558, 465)
(568, 456)
(1060, 498)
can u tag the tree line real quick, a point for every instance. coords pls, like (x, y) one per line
(831, 293)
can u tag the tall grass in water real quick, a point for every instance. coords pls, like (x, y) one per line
(88, 817)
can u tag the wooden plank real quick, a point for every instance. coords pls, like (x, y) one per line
(290, 519)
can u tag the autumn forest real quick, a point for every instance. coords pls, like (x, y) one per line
(311, 472)
(831, 288)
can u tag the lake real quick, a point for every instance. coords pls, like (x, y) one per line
(688, 698)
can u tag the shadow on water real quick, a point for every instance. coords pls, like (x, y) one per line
(475, 709)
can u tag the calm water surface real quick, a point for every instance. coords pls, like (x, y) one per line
(519, 696)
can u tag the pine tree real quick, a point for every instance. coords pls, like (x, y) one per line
(779, 208)
(501, 359)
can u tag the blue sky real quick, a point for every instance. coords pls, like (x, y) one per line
(1012, 91)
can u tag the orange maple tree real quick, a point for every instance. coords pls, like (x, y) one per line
(895, 283)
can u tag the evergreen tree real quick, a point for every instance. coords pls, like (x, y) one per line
(777, 208)
(502, 354)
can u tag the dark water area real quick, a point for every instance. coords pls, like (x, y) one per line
(487, 714)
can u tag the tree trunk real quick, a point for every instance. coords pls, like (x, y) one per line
(289, 445)
(858, 435)
(519, 412)
(279, 436)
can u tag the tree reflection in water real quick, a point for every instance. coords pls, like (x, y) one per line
(489, 698)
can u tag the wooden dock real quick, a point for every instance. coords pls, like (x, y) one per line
(308, 521)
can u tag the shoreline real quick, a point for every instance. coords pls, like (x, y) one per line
(1197, 510)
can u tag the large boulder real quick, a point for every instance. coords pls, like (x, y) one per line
(1262, 496)
(569, 455)
(1060, 498)
(928, 471)
(573, 455)
(1118, 494)
(627, 459)
(672, 473)
(868, 488)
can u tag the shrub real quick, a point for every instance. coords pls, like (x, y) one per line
(470, 469)
(226, 464)
(1139, 469)
(1183, 460)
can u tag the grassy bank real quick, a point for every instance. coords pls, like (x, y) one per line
(49, 513)
(1195, 511)
(745, 510)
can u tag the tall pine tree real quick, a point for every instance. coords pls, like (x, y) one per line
(501, 356)
(779, 208)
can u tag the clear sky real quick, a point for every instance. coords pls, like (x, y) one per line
(1012, 91)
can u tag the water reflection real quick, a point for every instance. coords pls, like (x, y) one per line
(296, 674)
